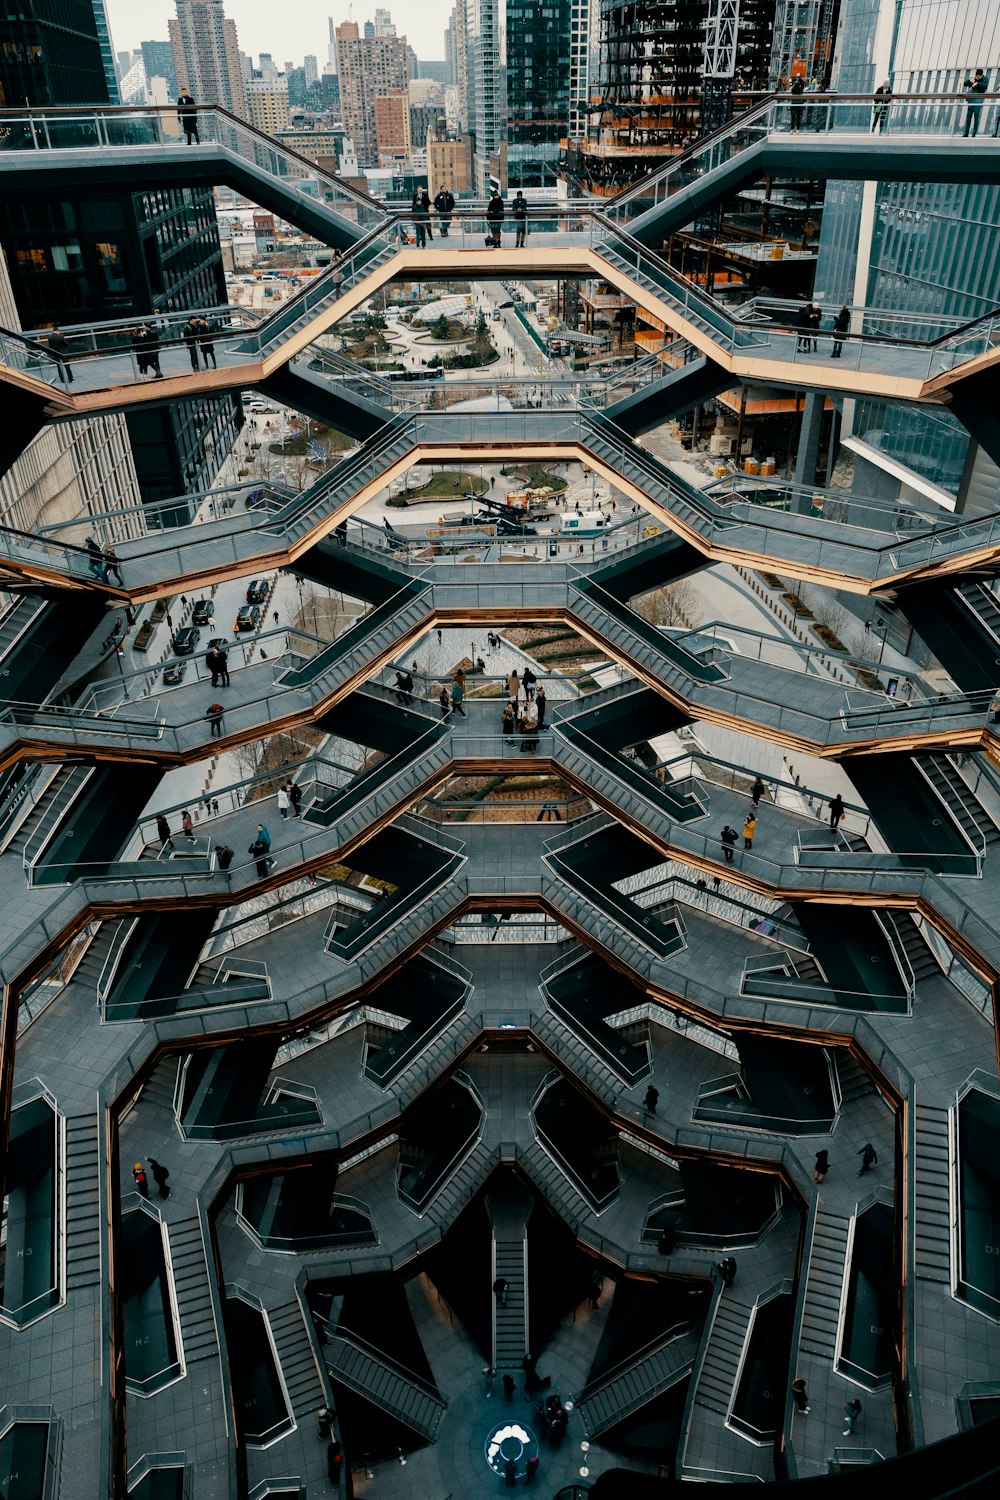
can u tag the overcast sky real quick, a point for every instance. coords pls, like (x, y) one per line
(287, 31)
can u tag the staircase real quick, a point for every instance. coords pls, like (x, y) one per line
(855, 1081)
(982, 602)
(922, 960)
(91, 966)
(509, 1206)
(462, 1186)
(827, 1268)
(651, 1373)
(46, 814)
(565, 1044)
(17, 620)
(199, 1334)
(552, 1182)
(963, 807)
(387, 1386)
(932, 1247)
(296, 1359)
(717, 1377)
(83, 1201)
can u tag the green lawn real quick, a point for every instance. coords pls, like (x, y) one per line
(448, 485)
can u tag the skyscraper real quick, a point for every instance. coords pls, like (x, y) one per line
(486, 105)
(107, 49)
(368, 66)
(310, 67)
(158, 58)
(540, 82)
(207, 55)
(55, 55)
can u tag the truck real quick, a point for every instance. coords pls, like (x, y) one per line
(537, 505)
(582, 523)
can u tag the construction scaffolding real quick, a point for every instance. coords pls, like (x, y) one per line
(652, 93)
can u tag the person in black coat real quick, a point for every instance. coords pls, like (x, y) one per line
(187, 113)
(444, 202)
(494, 219)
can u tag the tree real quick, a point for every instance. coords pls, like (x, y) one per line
(675, 604)
(441, 328)
(482, 334)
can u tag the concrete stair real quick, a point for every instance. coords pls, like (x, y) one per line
(296, 1359)
(932, 1247)
(83, 1201)
(193, 1288)
(652, 1372)
(722, 1356)
(827, 1264)
(402, 1396)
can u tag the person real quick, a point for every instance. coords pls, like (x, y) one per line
(651, 1100)
(881, 111)
(147, 346)
(139, 1177)
(837, 811)
(334, 1463)
(798, 88)
(212, 663)
(749, 829)
(163, 832)
(160, 1175)
(821, 1166)
(852, 1411)
(975, 89)
(187, 824)
(59, 347)
(224, 856)
(206, 342)
(190, 333)
(529, 679)
(510, 1473)
(457, 694)
(500, 1289)
(667, 1243)
(214, 716)
(443, 700)
(95, 558)
(727, 1270)
(728, 837)
(260, 849)
(513, 685)
(595, 1287)
(188, 116)
(111, 565)
(815, 319)
(508, 1387)
(444, 202)
(520, 212)
(404, 687)
(224, 665)
(295, 797)
(284, 803)
(531, 1469)
(803, 341)
(420, 224)
(800, 1395)
(869, 1158)
(841, 323)
(507, 720)
(324, 1422)
(540, 701)
(494, 220)
(757, 792)
(488, 1373)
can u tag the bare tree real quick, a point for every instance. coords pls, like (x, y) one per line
(674, 604)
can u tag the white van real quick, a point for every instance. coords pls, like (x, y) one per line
(582, 523)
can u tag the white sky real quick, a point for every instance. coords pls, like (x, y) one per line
(288, 31)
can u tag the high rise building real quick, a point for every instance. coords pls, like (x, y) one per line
(383, 23)
(53, 53)
(267, 104)
(158, 58)
(540, 83)
(107, 49)
(450, 38)
(889, 244)
(268, 69)
(367, 67)
(311, 68)
(331, 51)
(392, 126)
(485, 102)
(207, 54)
(369, 30)
(449, 163)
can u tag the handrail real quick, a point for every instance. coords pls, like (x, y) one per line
(348, 1336)
(624, 1365)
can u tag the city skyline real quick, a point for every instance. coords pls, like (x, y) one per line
(301, 31)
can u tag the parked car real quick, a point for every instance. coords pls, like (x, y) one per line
(174, 672)
(185, 640)
(203, 612)
(248, 617)
(257, 591)
(216, 642)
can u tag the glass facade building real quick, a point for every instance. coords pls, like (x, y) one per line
(894, 245)
(539, 40)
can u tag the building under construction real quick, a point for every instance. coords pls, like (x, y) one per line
(651, 95)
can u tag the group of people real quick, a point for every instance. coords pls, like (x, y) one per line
(729, 836)
(217, 662)
(198, 334)
(102, 561)
(808, 325)
(290, 799)
(444, 206)
(525, 708)
(975, 89)
(550, 1419)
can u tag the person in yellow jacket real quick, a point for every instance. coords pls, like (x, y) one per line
(749, 829)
